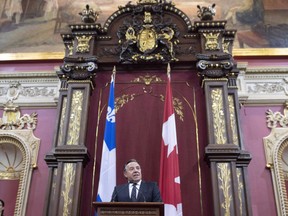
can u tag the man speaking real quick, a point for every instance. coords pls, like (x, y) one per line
(136, 190)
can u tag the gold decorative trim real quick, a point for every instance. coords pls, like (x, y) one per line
(68, 179)
(122, 100)
(261, 52)
(218, 116)
(147, 79)
(224, 176)
(240, 189)
(60, 55)
(83, 43)
(211, 41)
(233, 120)
(75, 117)
(194, 114)
(62, 118)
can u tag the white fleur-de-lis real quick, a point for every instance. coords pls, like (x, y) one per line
(110, 115)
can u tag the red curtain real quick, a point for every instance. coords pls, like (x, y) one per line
(139, 127)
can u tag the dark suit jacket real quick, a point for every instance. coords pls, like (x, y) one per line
(148, 192)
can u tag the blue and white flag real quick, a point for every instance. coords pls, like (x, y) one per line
(107, 180)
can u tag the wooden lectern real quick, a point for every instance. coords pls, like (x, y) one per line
(129, 208)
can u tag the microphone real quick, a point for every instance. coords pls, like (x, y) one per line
(139, 192)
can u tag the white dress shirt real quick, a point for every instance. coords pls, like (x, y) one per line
(131, 187)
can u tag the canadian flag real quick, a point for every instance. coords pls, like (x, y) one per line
(169, 182)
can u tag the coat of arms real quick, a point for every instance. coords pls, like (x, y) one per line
(146, 37)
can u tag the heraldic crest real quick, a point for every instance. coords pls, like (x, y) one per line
(148, 37)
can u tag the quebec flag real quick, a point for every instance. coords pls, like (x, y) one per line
(107, 180)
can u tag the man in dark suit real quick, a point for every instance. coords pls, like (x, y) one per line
(136, 190)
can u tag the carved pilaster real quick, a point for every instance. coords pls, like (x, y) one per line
(71, 152)
(69, 155)
(58, 140)
(224, 152)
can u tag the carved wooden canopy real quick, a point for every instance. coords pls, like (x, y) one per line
(148, 32)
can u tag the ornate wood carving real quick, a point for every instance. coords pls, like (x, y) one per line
(151, 33)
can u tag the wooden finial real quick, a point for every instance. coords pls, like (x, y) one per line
(168, 69)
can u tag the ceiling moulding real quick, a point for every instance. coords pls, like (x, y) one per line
(262, 85)
(30, 89)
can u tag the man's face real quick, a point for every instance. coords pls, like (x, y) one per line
(133, 172)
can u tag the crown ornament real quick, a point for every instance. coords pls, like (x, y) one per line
(88, 15)
(206, 13)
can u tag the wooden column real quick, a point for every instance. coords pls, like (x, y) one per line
(225, 153)
(58, 136)
(69, 154)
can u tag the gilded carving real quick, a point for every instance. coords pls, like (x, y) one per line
(218, 116)
(75, 118)
(12, 119)
(147, 79)
(62, 118)
(146, 38)
(69, 176)
(211, 41)
(70, 48)
(178, 107)
(83, 43)
(225, 46)
(240, 189)
(124, 99)
(233, 120)
(55, 171)
(224, 176)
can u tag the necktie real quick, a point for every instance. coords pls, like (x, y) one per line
(133, 194)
